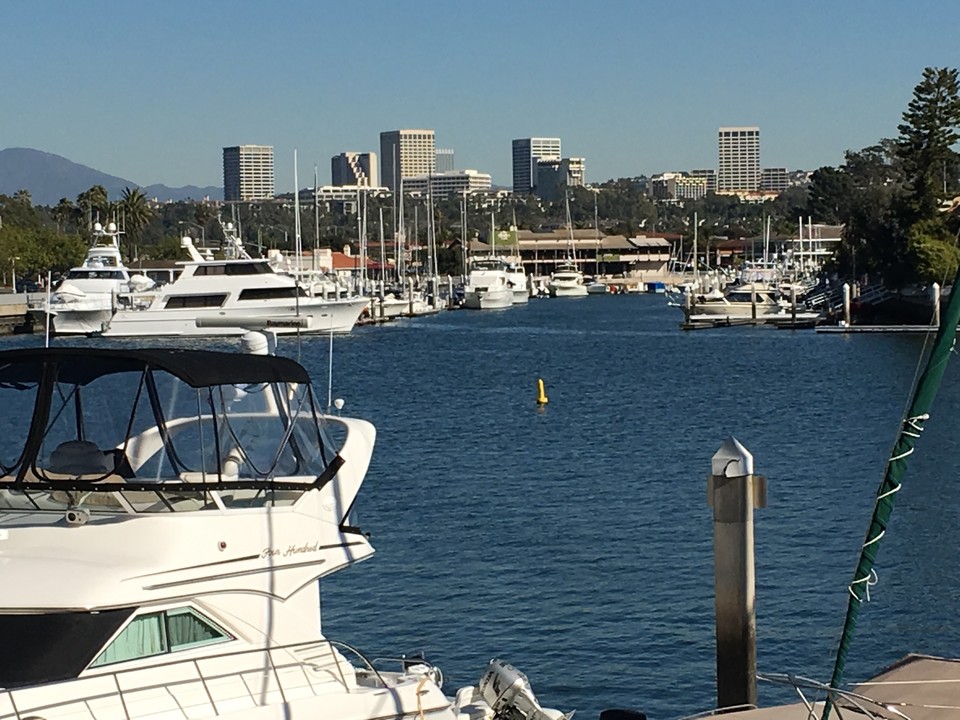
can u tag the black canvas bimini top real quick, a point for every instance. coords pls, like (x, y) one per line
(197, 368)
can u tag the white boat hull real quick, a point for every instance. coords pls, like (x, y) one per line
(75, 321)
(565, 290)
(736, 309)
(337, 316)
(488, 299)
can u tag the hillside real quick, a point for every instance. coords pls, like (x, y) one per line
(50, 177)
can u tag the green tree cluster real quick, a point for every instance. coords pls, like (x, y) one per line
(890, 196)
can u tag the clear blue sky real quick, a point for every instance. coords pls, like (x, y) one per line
(152, 92)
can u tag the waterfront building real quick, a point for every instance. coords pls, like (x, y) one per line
(711, 176)
(553, 177)
(774, 179)
(352, 168)
(526, 153)
(636, 258)
(449, 184)
(405, 154)
(445, 161)
(677, 187)
(739, 159)
(248, 173)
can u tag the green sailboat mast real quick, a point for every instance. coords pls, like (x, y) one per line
(910, 430)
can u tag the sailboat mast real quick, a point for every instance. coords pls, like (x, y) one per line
(696, 265)
(383, 257)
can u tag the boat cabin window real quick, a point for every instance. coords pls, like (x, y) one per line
(236, 268)
(159, 633)
(47, 647)
(175, 302)
(272, 293)
(88, 274)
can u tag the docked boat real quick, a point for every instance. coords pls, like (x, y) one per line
(567, 281)
(85, 299)
(165, 517)
(595, 287)
(488, 286)
(740, 301)
(237, 293)
(519, 282)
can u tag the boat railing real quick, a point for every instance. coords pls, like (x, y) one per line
(861, 705)
(194, 687)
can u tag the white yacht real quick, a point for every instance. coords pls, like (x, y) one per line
(519, 282)
(165, 516)
(739, 301)
(488, 286)
(84, 300)
(232, 292)
(567, 281)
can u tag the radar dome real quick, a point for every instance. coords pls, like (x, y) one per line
(97, 227)
(112, 227)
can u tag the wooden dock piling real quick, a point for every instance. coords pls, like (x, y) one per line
(733, 492)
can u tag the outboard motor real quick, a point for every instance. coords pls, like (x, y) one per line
(508, 693)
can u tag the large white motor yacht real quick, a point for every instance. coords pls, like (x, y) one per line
(237, 293)
(488, 286)
(567, 281)
(165, 516)
(85, 299)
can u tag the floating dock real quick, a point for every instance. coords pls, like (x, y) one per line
(784, 321)
(894, 329)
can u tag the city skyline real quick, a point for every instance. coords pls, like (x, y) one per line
(646, 92)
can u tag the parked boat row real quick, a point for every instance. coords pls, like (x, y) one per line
(208, 296)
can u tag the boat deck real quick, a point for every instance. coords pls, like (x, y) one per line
(918, 687)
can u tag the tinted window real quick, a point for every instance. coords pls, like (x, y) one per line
(54, 646)
(195, 301)
(270, 293)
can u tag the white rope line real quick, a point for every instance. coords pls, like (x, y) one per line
(891, 491)
(868, 581)
(873, 540)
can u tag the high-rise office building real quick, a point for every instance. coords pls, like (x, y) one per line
(248, 173)
(526, 152)
(739, 159)
(445, 161)
(774, 179)
(552, 178)
(351, 168)
(710, 175)
(406, 153)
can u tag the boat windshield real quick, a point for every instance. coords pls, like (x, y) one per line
(139, 436)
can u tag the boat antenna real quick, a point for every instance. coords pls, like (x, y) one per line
(298, 247)
(911, 426)
(46, 335)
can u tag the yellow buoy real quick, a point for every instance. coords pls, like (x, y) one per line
(541, 394)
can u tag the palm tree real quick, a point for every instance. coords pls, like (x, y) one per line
(136, 212)
(64, 212)
(93, 202)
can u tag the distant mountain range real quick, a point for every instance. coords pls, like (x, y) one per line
(48, 178)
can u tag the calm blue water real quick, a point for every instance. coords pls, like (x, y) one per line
(576, 542)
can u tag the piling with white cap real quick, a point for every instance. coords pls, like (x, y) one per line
(733, 493)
